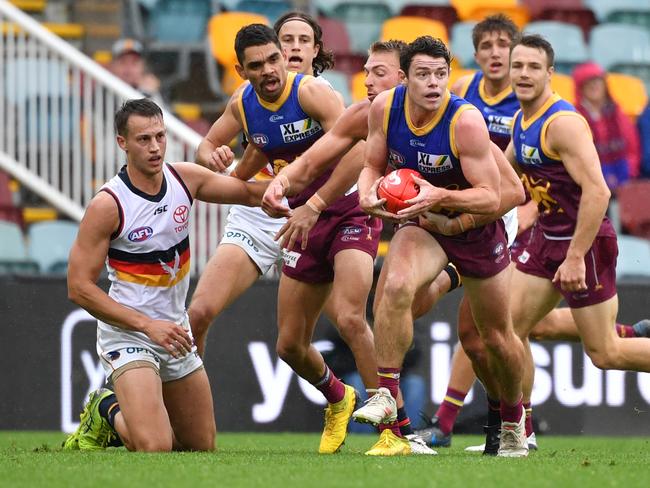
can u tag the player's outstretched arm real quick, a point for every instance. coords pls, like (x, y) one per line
(212, 187)
(251, 163)
(86, 260)
(570, 138)
(375, 160)
(213, 151)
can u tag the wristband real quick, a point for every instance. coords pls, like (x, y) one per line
(460, 224)
(467, 225)
(316, 203)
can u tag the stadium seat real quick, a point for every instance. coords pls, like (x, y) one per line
(567, 40)
(271, 9)
(536, 7)
(363, 21)
(461, 44)
(13, 255)
(341, 83)
(606, 8)
(222, 29)
(8, 211)
(443, 13)
(164, 20)
(633, 257)
(633, 208)
(629, 92)
(613, 44)
(50, 243)
(519, 14)
(466, 7)
(580, 16)
(408, 29)
(358, 83)
(563, 85)
(335, 35)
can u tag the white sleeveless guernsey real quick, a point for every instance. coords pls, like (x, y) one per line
(148, 259)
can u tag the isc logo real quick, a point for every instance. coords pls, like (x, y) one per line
(140, 234)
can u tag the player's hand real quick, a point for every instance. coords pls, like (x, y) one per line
(427, 199)
(298, 225)
(220, 158)
(373, 205)
(440, 224)
(172, 337)
(272, 200)
(571, 274)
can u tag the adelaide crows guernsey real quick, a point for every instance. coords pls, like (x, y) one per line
(497, 111)
(546, 179)
(430, 149)
(148, 258)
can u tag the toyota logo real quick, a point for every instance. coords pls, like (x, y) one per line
(181, 213)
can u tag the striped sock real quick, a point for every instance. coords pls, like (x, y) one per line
(330, 386)
(404, 422)
(529, 418)
(449, 409)
(389, 378)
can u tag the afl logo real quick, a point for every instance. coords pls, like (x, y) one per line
(181, 214)
(395, 159)
(140, 234)
(260, 139)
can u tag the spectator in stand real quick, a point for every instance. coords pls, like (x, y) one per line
(129, 65)
(644, 135)
(616, 139)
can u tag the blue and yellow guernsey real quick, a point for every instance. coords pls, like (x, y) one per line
(497, 111)
(546, 179)
(281, 129)
(430, 149)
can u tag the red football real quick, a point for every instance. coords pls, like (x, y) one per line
(398, 186)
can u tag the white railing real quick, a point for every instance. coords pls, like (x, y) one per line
(56, 125)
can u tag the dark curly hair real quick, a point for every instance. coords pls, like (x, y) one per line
(431, 46)
(325, 58)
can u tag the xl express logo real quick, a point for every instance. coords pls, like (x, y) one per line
(299, 130)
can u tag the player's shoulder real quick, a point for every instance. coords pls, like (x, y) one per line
(103, 212)
(358, 110)
(461, 84)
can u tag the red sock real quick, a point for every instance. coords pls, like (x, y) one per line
(394, 427)
(330, 386)
(449, 409)
(389, 378)
(625, 330)
(529, 418)
(511, 413)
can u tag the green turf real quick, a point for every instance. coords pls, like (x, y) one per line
(33, 459)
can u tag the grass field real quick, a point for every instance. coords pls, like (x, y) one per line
(33, 459)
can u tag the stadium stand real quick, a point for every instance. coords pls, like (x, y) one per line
(341, 83)
(363, 21)
(271, 9)
(615, 44)
(443, 13)
(633, 208)
(222, 29)
(408, 28)
(461, 44)
(13, 254)
(567, 40)
(50, 243)
(629, 92)
(633, 257)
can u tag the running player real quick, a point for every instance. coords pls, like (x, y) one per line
(490, 90)
(572, 253)
(422, 126)
(247, 249)
(282, 113)
(138, 224)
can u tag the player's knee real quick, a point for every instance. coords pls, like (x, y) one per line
(602, 358)
(398, 292)
(290, 351)
(495, 342)
(151, 443)
(351, 324)
(201, 316)
(205, 441)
